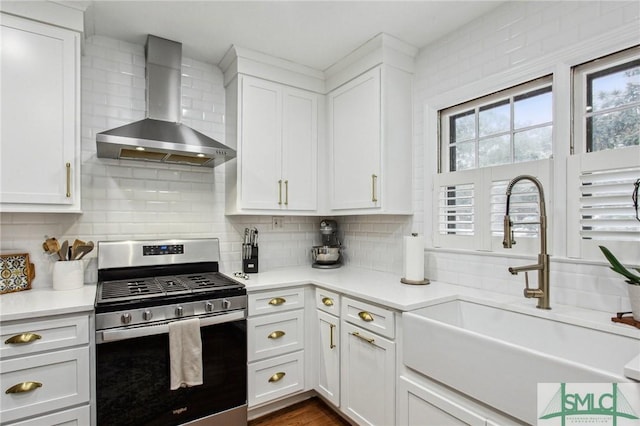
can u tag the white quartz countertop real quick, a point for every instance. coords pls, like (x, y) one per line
(39, 302)
(377, 287)
(385, 289)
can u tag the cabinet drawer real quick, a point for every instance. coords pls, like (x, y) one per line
(79, 416)
(45, 335)
(370, 317)
(276, 301)
(64, 379)
(275, 378)
(328, 301)
(275, 334)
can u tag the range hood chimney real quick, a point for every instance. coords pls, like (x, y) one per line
(161, 137)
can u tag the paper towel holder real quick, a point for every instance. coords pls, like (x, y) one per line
(415, 282)
(418, 282)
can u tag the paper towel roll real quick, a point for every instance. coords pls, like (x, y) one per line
(413, 258)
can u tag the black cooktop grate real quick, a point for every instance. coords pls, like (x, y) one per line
(143, 288)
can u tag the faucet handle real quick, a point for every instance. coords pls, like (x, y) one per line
(530, 293)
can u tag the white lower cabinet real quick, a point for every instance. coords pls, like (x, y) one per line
(45, 371)
(328, 368)
(423, 402)
(275, 333)
(367, 391)
(275, 377)
(79, 416)
(421, 406)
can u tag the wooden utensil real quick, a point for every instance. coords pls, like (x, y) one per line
(64, 250)
(74, 248)
(83, 250)
(53, 245)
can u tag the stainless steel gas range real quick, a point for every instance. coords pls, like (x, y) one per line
(143, 287)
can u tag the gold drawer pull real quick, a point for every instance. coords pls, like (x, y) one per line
(368, 340)
(276, 334)
(22, 338)
(24, 387)
(331, 328)
(327, 301)
(280, 192)
(365, 316)
(277, 301)
(277, 377)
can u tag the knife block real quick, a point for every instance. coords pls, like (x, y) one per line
(250, 265)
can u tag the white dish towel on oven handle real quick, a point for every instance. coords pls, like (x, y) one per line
(185, 353)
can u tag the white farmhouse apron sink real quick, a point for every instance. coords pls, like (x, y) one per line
(498, 356)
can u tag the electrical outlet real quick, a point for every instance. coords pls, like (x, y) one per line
(277, 222)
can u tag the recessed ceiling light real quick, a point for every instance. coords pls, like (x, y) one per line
(200, 155)
(139, 148)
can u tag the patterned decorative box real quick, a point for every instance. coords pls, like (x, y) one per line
(16, 272)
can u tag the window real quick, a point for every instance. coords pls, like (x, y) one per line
(485, 143)
(603, 171)
(470, 207)
(607, 102)
(511, 126)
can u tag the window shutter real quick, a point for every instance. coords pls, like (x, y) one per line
(523, 209)
(600, 208)
(456, 209)
(606, 208)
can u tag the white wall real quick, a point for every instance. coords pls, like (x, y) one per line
(517, 42)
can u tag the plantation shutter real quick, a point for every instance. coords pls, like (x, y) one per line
(600, 186)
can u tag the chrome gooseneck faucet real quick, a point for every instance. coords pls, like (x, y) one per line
(542, 292)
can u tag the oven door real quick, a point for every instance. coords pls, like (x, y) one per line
(133, 384)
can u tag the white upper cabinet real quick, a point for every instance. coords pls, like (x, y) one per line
(354, 129)
(369, 130)
(40, 145)
(298, 156)
(300, 149)
(276, 169)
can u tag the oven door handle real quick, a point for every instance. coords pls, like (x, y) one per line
(163, 328)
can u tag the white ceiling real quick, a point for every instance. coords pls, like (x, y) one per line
(312, 33)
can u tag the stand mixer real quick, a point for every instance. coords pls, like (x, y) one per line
(327, 256)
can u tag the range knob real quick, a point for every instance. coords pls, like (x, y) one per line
(208, 307)
(226, 303)
(125, 318)
(179, 311)
(147, 315)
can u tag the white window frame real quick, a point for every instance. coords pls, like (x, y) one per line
(579, 92)
(477, 104)
(582, 163)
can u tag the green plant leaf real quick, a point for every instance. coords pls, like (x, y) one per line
(619, 267)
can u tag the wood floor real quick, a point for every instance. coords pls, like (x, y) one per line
(312, 412)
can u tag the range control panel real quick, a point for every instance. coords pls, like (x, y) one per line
(160, 250)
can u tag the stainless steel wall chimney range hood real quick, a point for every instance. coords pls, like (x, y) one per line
(161, 137)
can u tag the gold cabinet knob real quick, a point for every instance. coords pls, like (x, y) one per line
(24, 387)
(277, 301)
(327, 301)
(277, 377)
(19, 339)
(365, 316)
(276, 334)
